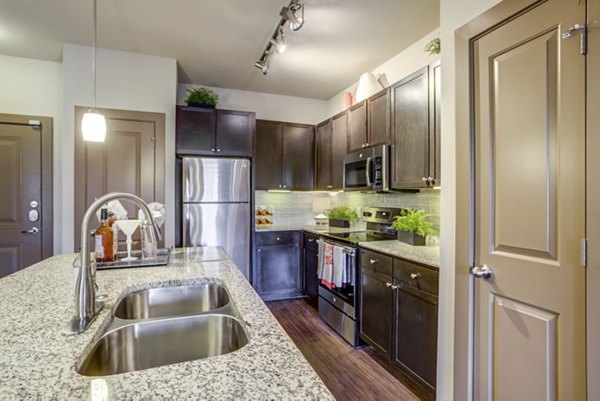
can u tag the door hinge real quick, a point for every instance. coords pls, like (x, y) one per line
(584, 252)
(582, 29)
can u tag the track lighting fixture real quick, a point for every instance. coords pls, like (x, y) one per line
(293, 16)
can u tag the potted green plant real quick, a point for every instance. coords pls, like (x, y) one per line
(201, 97)
(413, 226)
(341, 216)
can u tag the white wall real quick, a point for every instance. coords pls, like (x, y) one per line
(453, 14)
(266, 105)
(34, 87)
(404, 63)
(125, 81)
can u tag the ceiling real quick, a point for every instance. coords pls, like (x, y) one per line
(216, 42)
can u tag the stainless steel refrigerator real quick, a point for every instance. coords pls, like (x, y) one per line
(217, 206)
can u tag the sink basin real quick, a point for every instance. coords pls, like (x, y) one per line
(162, 342)
(172, 301)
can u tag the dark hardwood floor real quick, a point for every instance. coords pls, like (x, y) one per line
(350, 374)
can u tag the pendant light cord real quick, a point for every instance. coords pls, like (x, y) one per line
(94, 62)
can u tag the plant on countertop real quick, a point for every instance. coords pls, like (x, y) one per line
(201, 97)
(342, 212)
(434, 47)
(414, 221)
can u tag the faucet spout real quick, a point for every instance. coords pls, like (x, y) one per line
(86, 307)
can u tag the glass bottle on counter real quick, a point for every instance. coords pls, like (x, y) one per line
(111, 223)
(103, 239)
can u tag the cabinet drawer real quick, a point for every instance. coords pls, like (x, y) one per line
(310, 241)
(376, 261)
(416, 276)
(278, 238)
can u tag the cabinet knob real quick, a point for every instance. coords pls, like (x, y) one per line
(388, 285)
(329, 186)
(415, 276)
(394, 287)
(431, 181)
(278, 239)
(285, 186)
(373, 261)
(311, 240)
(212, 150)
(258, 250)
(424, 179)
(218, 150)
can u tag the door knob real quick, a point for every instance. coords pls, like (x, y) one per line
(482, 271)
(33, 231)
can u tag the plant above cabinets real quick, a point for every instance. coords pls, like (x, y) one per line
(201, 97)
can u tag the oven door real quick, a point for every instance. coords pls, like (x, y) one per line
(343, 298)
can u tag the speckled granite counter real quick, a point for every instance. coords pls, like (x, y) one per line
(38, 362)
(312, 229)
(428, 255)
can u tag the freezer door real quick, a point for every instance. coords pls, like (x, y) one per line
(216, 180)
(224, 224)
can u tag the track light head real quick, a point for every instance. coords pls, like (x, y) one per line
(263, 65)
(294, 14)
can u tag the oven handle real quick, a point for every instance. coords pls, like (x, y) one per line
(368, 172)
(349, 251)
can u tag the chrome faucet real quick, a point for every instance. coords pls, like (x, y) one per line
(86, 306)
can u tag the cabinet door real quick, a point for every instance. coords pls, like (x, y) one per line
(298, 156)
(410, 138)
(235, 133)
(415, 339)
(311, 260)
(376, 310)
(357, 127)
(339, 148)
(379, 121)
(435, 97)
(323, 155)
(267, 155)
(195, 131)
(278, 274)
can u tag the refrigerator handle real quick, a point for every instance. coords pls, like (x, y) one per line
(186, 179)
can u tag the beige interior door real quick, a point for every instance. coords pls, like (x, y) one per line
(529, 187)
(130, 160)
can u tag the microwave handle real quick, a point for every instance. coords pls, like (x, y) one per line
(368, 171)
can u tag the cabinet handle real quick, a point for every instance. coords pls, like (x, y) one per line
(278, 239)
(388, 285)
(373, 261)
(311, 240)
(285, 186)
(431, 181)
(258, 250)
(212, 150)
(415, 276)
(218, 150)
(394, 287)
(329, 186)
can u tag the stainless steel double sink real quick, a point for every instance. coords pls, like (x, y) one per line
(166, 325)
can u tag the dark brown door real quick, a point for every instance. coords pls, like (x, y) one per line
(235, 133)
(357, 127)
(378, 108)
(339, 148)
(376, 309)
(323, 155)
(21, 239)
(195, 131)
(130, 160)
(267, 154)
(298, 156)
(410, 138)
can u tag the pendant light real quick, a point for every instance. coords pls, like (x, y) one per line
(93, 124)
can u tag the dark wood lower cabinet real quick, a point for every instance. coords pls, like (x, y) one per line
(399, 316)
(310, 262)
(415, 332)
(277, 273)
(376, 309)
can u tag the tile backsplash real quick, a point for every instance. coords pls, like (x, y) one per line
(295, 208)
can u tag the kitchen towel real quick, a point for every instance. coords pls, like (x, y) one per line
(327, 269)
(339, 273)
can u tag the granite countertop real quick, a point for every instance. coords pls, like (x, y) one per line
(428, 255)
(311, 228)
(38, 362)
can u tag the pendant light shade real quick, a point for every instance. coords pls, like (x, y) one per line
(93, 127)
(93, 124)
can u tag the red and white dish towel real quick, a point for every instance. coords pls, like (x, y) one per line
(332, 266)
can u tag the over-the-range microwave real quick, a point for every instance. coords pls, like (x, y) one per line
(367, 169)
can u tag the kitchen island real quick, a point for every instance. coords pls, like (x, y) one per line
(38, 362)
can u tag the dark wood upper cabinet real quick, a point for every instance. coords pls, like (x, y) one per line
(357, 127)
(339, 148)
(284, 156)
(195, 129)
(235, 133)
(267, 154)
(210, 132)
(323, 155)
(298, 171)
(410, 111)
(379, 118)
(416, 129)
(435, 98)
